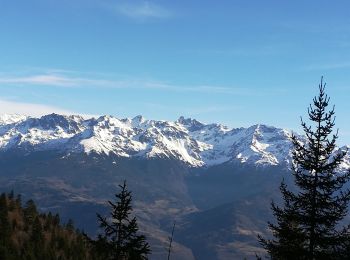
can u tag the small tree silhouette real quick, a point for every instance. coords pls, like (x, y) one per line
(120, 240)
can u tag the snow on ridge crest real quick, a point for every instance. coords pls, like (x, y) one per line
(188, 140)
(6, 119)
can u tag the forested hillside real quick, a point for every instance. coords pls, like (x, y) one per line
(27, 234)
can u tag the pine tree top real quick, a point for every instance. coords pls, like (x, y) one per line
(306, 223)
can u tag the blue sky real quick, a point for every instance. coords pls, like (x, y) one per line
(234, 62)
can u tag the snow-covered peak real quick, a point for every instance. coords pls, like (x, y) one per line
(267, 145)
(191, 124)
(137, 120)
(6, 119)
(345, 165)
(187, 140)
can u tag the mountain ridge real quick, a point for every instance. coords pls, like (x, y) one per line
(186, 139)
(210, 178)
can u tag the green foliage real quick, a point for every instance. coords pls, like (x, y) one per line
(121, 240)
(26, 234)
(307, 223)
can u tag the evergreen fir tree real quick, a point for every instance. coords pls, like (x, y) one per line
(30, 212)
(37, 232)
(5, 231)
(306, 225)
(120, 240)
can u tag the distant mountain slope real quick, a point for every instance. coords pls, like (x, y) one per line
(216, 182)
(186, 140)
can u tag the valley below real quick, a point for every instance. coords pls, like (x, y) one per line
(219, 208)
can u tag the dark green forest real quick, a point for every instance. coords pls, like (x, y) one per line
(29, 234)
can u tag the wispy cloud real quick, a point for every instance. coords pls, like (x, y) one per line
(142, 10)
(56, 80)
(268, 50)
(328, 66)
(30, 109)
(69, 80)
(79, 80)
(51, 80)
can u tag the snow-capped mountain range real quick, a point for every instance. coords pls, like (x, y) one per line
(188, 140)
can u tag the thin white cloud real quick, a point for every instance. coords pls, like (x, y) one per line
(54, 80)
(253, 51)
(69, 80)
(142, 10)
(327, 66)
(76, 80)
(30, 109)
(41, 80)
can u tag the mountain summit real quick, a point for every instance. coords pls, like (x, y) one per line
(187, 140)
(215, 181)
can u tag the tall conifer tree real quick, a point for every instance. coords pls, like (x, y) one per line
(121, 240)
(306, 224)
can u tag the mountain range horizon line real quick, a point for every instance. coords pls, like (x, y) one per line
(186, 139)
